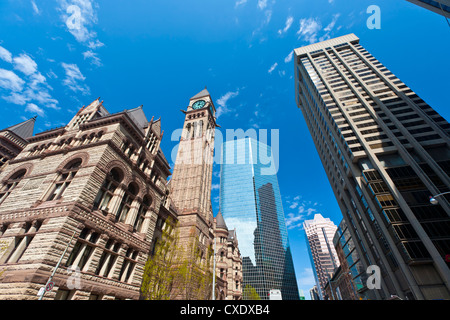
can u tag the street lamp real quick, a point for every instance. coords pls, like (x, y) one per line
(214, 272)
(433, 199)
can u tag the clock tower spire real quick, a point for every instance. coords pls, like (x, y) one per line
(191, 179)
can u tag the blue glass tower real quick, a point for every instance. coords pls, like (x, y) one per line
(250, 201)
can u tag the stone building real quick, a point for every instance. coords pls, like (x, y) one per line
(101, 179)
(13, 140)
(228, 262)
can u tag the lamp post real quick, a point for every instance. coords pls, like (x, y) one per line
(433, 199)
(41, 295)
(214, 272)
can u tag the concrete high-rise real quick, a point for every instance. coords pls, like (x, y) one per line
(250, 202)
(385, 151)
(319, 234)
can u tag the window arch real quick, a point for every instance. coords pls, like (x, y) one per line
(200, 128)
(188, 131)
(145, 206)
(127, 200)
(194, 132)
(11, 183)
(109, 186)
(64, 179)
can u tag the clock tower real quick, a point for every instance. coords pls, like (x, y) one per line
(191, 179)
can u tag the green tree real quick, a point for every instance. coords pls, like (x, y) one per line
(160, 270)
(195, 271)
(250, 293)
(176, 270)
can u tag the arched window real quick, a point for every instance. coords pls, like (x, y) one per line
(106, 192)
(188, 131)
(200, 128)
(11, 183)
(145, 205)
(64, 179)
(194, 132)
(127, 200)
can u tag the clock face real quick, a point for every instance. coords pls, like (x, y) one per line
(198, 104)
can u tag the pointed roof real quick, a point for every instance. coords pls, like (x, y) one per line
(220, 222)
(24, 129)
(202, 93)
(138, 116)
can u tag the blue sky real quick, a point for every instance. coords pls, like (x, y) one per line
(161, 53)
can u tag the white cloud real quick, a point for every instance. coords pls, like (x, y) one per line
(272, 67)
(95, 44)
(294, 205)
(31, 107)
(223, 100)
(303, 210)
(240, 2)
(10, 81)
(33, 87)
(5, 55)
(289, 57)
(262, 4)
(289, 21)
(74, 78)
(79, 17)
(308, 29)
(35, 7)
(294, 221)
(215, 186)
(330, 26)
(93, 56)
(306, 278)
(25, 64)
(16, 98)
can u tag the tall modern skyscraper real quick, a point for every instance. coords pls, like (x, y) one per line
(320, 233)
(385, 152)
(439, 6)
(250, 202)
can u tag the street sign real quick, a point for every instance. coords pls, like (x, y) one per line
(49, 286)
(275, 295)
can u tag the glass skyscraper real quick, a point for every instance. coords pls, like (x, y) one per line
(250, 201)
